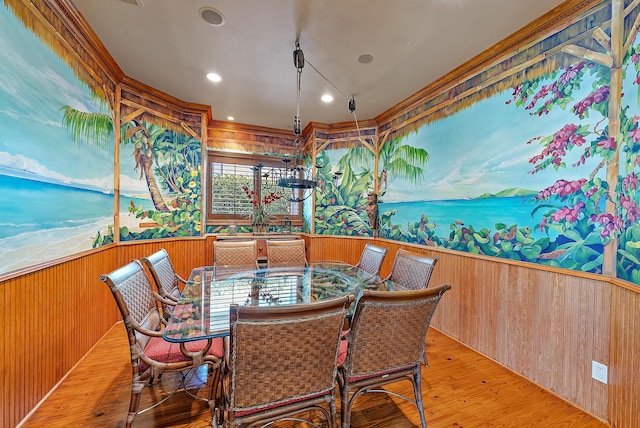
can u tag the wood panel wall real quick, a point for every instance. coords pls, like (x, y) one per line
(624, 359)
(51, 318)
(546, 325)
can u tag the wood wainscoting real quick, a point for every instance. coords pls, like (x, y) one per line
(53, 316)
(547, 325)
(543, 323)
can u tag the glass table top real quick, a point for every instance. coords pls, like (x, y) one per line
(202, 311)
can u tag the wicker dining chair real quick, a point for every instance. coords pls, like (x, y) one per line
(412, 270)
(377, 354)
(371, 258)
(281, 362)
(239, 255)
(168, 283)
(286, 253)
(151, 355)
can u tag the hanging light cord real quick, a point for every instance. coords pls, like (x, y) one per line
(327, 80)
(351, 99)
(299, 79)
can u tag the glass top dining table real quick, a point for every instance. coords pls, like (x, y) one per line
(202, 311)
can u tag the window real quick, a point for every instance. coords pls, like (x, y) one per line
(229, 174)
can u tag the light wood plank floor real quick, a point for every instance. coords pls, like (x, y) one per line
(461, 389)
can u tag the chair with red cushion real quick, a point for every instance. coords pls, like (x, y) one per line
(281, 362)
(150, 354)
(385, 344)
(168, 283)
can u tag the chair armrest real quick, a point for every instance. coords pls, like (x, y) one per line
(147, 332)
(169, 300)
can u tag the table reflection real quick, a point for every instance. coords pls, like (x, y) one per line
(203, 308)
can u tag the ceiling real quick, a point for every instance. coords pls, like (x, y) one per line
(166, 44)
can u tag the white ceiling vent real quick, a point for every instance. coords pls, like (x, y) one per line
(212, 16)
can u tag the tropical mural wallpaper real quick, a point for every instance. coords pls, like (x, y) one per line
(162, 169)
(56, 162)
(163, 200)
(521, 175)
(340, 204)
(56, 188)
(537, 171)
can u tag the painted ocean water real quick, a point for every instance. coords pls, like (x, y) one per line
(479, 213)
(30, 206)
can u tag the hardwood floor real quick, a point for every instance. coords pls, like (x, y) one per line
(461, 388)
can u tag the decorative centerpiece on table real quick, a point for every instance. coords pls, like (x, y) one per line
(260, 216)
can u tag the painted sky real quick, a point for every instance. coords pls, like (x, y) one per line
(483, 149)
(35, 84)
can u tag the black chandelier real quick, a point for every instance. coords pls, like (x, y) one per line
(295, 176)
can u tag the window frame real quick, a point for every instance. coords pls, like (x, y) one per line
(250, 160)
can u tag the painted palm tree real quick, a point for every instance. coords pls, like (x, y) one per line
(396, 159)
(175, 153)
(97, 129)
(143, 155)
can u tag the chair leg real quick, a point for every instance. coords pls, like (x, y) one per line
(345, 407)
(136, 392)
(332, 413)
(417, 392)
(216, 399)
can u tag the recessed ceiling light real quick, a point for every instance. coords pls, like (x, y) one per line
(231, 118)
(327, 98)
(214, 77)
(211, 16)
(365, 58)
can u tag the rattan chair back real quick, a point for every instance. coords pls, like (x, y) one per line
(412, 270)
(286, 253)
(168, 282)
(371, 258)
(150, 353)
(282, 361)
(386, 343)
(239, 255)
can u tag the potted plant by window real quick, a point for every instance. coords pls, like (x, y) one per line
(260, 216)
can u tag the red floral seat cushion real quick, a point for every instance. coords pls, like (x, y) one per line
(342, 352)
(162, 351)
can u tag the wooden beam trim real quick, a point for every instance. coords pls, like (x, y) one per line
(151, 111)
(516, 43)
(489, 82)
(29, 5)
(633, 31)
(588, 54)
(360, 140)
(86, 38)
(632, 5)
(191, 131)
(132, 116)
(602, 38)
